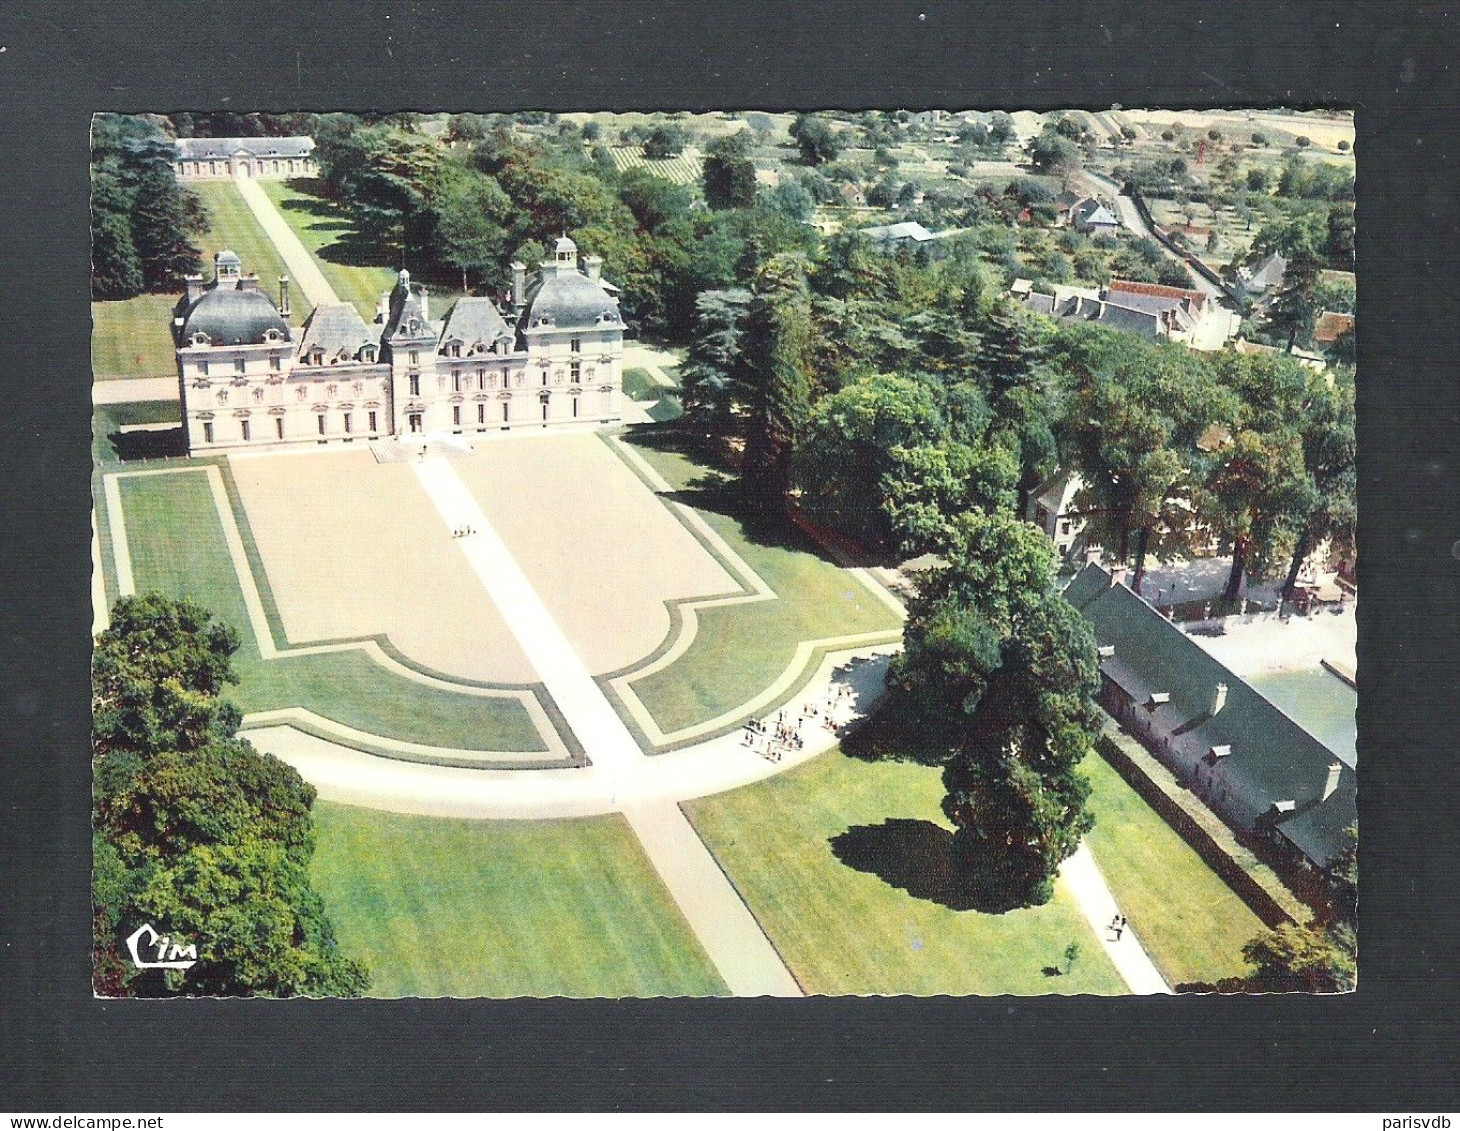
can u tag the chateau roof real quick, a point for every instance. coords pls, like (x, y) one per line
(473, 321)
(336, 327)
(563, 298)
(231, 315)
(192, 148)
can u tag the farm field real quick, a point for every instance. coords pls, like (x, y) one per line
(457, 908)
(686, 169)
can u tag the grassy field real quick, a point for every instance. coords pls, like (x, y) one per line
(809, 850)
(503, 908)
(352, 270)
(177, 548)
(740, 650)
(1193, 924)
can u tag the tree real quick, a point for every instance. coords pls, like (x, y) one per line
(1294, 310)
(157, 672)
(471, 229)
(713, 375)
(999, 670)
(1072, 955)
(817, 140)
(1002, 129)
(665, 141)
(195, 831)
(1312, 959)
(729, 173)
(778, 363)
(1329, 447)
(1174, 273)
(1256, 498)
(116, 269)
(1053, 154)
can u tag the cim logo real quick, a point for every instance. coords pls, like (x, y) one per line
(170, 954)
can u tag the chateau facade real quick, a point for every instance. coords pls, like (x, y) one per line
(250, 380)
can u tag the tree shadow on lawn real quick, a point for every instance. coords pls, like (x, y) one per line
(919, 858)
(893, 734)
(719, 490)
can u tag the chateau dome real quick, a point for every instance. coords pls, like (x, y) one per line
(229, 316)
(568, 299)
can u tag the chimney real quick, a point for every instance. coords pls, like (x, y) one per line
(382, 315)
(284, 295)
(519, 286)
(1219, 700)
(1335, 771)
(195, 287)
(593, 266)
(425, 309)
(1118, 575)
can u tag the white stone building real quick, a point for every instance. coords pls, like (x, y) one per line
(202, 158)
(250, 380)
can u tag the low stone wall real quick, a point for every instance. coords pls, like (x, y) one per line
(1212, 839)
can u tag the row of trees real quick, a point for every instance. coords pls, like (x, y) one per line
(143, 222)
(196, 832)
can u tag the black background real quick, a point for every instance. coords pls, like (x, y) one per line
(1390, 1046)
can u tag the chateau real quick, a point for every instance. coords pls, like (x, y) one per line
(250, 380)
(223, 157)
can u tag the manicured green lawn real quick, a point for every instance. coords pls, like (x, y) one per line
(843, 928)
(132, 338)
(108, 419)
(177, 547)
(353, 271)
(1192, 924)
(741, 649)
(234, 226)
(503, 908)
(639, 386)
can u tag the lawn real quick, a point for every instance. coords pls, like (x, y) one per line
(131, 337)
(351, 269)
(639, 386)
(177, 547)
(107, 420)
(1192, 924)
(829, 856)
(741, 649)
(460, 908)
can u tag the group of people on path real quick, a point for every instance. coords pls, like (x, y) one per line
(463, 531)
(1117, 925)
(784, 735)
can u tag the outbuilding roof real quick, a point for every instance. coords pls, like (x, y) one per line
(194, 148)
(1273, 758)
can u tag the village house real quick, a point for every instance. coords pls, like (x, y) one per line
(1254, 766)
(1331, 326)
(1262, 278)
(1148, 309)
(201, 158)
(250, 380)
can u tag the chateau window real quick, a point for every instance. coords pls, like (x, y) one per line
(456, 378)
(415, 384)
(372, 422)
(415, 357)
(456, 415)
(504, 377)
(203, 367)
(455, 349)
(481, 414)
(321, 424)
(575, 372)
(207, 431)
(505, 406)
(481, 379)
(275, 364)
(544, 376)
(577, 345)
(279, 427)
(349, 423)
(243, 427)
(238, 365)
(369, 353)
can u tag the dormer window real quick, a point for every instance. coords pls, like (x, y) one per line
(200, 339)
(271, 335)
(1158, 699)
(455, 349)
(368, 353)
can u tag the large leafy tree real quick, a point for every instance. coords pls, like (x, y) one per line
(195, 832)
(999, 671)
(817, 140)
(713, 375)
(471, 229)
(116, 269)
(729, 172)
(1315, 958)
(778, 364)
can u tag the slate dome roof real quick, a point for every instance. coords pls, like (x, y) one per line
(231, 317)
(570, 299)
